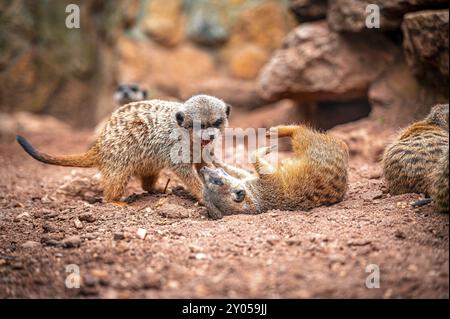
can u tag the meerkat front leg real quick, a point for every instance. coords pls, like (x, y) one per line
(190, 178)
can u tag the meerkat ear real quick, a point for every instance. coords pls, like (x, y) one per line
(228, 110)
(144, 94)
(180, 117)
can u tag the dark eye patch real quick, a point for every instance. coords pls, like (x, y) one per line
(218, 123)
(240, 195)
(216, 181)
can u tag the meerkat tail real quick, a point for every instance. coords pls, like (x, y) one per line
(81, 160)
(284, 130)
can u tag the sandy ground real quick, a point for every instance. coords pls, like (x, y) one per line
(53, 217)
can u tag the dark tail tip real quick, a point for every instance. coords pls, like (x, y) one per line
(28, 148)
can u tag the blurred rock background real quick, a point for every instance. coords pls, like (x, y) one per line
(276, 61)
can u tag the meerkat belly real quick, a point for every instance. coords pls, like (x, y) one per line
(321, 180)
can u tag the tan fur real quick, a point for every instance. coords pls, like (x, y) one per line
(316, 176)
(136, 141)
(123, 94)
(417, 160)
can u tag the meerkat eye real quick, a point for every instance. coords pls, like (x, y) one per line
(239, 195)
(228, 110)
(216, 181)
(218, 123)
(180, 118)
(134, 88)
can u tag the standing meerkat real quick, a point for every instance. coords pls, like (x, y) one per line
(417, 161)
(123, 94)
(317, 175)
(138, 141)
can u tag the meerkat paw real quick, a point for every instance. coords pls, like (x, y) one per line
(120, 204)
(261, 152)
(282, 130)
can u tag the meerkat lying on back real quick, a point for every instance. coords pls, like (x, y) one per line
(316, 176)
(417, 161)
(138, 140)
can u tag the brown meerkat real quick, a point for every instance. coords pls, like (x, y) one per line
(138, 140)
(123, 94)
(417, 160)
(316, 176)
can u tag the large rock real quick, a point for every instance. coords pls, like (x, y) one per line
(263, 26)
(350, 15)
(308, 10)
(318, 64)
(426, 46)
(166, 70)
(238, 93)
(46, 67)
(164, 21)
(399, 98)
(208, 22)
(246, 62)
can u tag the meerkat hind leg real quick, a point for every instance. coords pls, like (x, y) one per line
(283, 130)
(262, 166)
(114, 187)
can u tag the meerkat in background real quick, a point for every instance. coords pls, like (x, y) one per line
(138, 140)
(316, 176)
(417, 161)
(127, 93)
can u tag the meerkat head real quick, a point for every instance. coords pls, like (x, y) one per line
(205, 115)
(225, 195)
(127, 93)
(439, 116)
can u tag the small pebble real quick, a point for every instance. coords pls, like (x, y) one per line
(31, 244)
(119, 236)
(141, 233)
(87, 217)
(78, 224)
(71, 242)
(21, 216)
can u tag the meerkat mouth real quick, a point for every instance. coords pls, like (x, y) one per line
(205, 142)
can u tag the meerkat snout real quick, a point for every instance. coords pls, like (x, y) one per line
(205, 117)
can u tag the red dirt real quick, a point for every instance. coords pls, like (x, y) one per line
(320, 253)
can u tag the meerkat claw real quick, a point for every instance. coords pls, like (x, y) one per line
(120, 204)
(421, 202)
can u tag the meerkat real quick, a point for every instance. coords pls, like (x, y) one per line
(123, 94)
(317, 175)
(138, 140)
(417, 160)
(128, 93)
